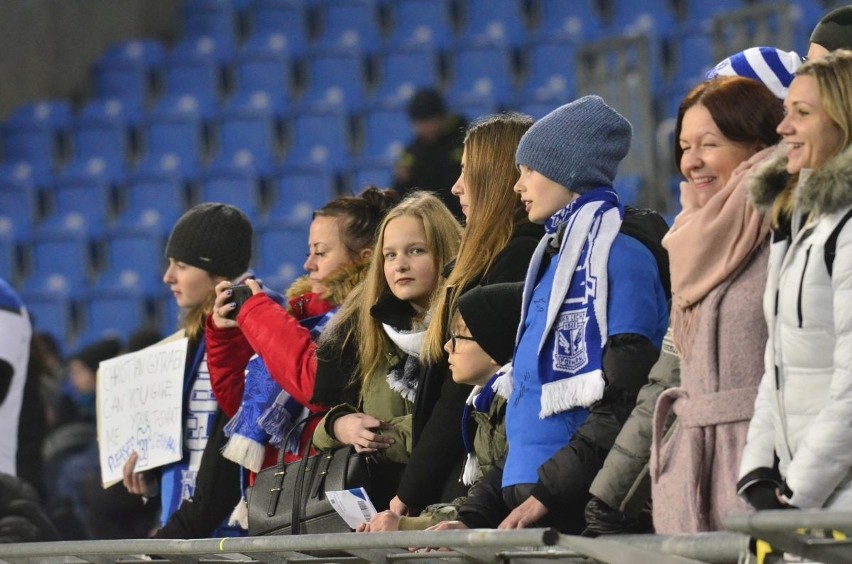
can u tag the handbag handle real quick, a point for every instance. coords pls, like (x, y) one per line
(281, 467)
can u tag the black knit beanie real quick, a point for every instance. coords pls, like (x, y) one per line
(426, 104)
(492, 315)
(214, 237)
(834, 30)
(98, 352)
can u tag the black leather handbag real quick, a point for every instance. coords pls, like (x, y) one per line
(285, 494)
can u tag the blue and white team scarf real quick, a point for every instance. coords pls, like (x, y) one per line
(584, 231)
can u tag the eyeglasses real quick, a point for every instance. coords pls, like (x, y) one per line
(453, 338)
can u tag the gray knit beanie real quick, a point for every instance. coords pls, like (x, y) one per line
(214, 237)
(578, 145)
(834, 30)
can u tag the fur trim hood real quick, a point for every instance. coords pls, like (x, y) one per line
(828, 189)
(339, 284)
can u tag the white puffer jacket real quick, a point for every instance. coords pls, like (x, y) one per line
(803, 411)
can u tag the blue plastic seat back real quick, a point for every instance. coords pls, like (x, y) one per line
(153, 199)
(500, 22)
(249, 125)
(32, 131)
(482, 71)
(114, 314)
(133, 261)
(335, 79)
(103, 129)
(283, 248)
(322, 139)
(89, 199)
(426, 23)
(60, 262)
(401, 73)
(50, 312)
(370, 173)
(175, 125)
(349, 24)
(196, 66)
(287, 17)
(550, 71)
(238, 186)
(126, 69)
(386, 132)
(265, 64)
(217, 18)
(648, 16)
(574, 20)
(298, 192)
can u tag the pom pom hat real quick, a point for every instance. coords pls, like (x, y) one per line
(770, 66)
(578, 145)
(213, 237)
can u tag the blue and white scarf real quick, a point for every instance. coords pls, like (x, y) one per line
(583, 231)
(480, 400)
(266, 412)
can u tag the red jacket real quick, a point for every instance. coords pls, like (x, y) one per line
(286, 347)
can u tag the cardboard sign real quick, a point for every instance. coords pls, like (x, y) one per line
(139, 403)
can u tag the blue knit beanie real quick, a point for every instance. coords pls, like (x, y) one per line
(578, 145)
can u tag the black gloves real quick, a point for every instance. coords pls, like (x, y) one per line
(601, 519)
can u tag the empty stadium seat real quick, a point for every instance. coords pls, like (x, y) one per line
(370, 173)
(577, 20)
(282, 17)
(176, 125)
(33, 131)
(481, 73)
(649, 16)
(59, 261)
(155, 194)
(265, 64)
(348, 24)
(234, 181)
(501, 22)
(282, 250)
(84, 202)
(320, 138)
(296, 192)
(549, 71)
(126, 70)
(8, 255)
(104, 128)
(249, 123)
(420, 23)
(19, 198)
(216, 18)
(402, 72)
(132, 261)
(113, 313)
(50, 311)
(335, 78)
(196, 66)
(385, 132)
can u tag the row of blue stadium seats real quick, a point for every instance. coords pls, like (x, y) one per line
(372, 24)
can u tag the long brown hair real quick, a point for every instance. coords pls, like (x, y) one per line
(490, 175)
(833, 75)
(442, 238)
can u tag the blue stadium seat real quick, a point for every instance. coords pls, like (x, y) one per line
(691, 53)
(577, 20)
(481, 73)
(369, 173)
(33, 131)
(265, 64)
(126, 70)
(649, 16)
(51, 312)
(114, 313)
(196, 66)
(699, 10)
(421, 23)
(296, 192)
(281, 253)
(539, 109)
(403, 72)
(84, 202)
(155, 195)
(176, 125)
(498, 22)
(235, 181)
(8, 254)
(287, 17)
(249, 124)
(320, 138)
(629, 188)
(385, 133)
(103, 128)
(349, 24)
(215, 18)
(550, 71)
(19, 197)
(59, 261)
(133, 261)
(335, 78)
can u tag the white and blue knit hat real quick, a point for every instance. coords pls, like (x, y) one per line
(578, 145)
(772, 67)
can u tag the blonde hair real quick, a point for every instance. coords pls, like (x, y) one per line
(490, 175)
(195, 317)
(833, 75)
(354, 321)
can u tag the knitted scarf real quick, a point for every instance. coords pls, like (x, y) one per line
(583, 232)
(266, 412)
(402, 378)
(480, 400)
(709, 241)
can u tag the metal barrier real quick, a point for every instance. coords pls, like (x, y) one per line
(481, 545)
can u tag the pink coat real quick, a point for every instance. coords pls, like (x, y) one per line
(694, 468)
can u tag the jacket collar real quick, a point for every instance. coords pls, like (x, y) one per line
(829, 188)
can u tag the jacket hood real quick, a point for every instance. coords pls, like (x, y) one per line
(339, 284)
(827, 190)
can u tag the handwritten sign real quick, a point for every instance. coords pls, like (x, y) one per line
(139, 402)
